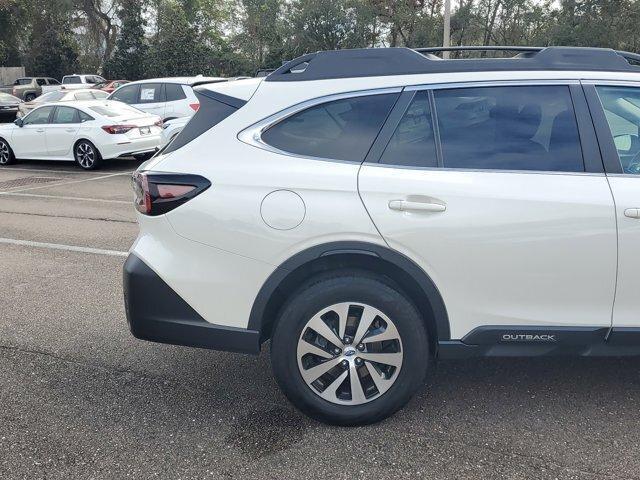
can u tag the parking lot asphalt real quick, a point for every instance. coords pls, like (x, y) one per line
(81, 398)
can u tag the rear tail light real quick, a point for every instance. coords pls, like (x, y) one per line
(14, 92)
(158, 193)
(195, 106)
(118, 129)
(159, 123)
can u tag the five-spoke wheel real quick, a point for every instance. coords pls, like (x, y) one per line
(6, 154)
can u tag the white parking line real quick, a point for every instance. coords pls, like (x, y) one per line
(57, 197)
(53, 170)
(49, 185)
(57, 246)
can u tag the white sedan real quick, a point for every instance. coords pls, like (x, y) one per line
(85, 131)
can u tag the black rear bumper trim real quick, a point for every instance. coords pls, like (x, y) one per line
(155, 312)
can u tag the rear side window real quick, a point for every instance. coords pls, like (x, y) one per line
(22, 81)
(128, 94)
(41, 81)
(174, 92)
(74, 79)
(342, 130)
(509, 128)
(413, 143)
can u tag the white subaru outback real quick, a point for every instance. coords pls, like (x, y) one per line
(369, 211)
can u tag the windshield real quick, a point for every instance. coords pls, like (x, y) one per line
(50, 97)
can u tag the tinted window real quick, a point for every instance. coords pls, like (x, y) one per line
(509, 128)
(127, 94)
(22, 81)
(622, 109)
(174, 92)
(151, 93)
(342, 129)
(65, 115)
(210, 113)
(38, 117)
(41, 81)
(413, 142)
(73, 79)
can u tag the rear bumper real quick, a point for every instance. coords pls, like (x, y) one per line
(157, 313)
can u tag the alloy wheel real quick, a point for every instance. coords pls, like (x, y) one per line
(349, 353)
(86, 155)
(5, 155)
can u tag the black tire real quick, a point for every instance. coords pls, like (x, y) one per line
(29, 97)
(87, 155)
(6, 153)
(359, 287)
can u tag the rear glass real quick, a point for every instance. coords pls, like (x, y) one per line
(22, 81)
(343, 129)
(75, 79)
(113, 111)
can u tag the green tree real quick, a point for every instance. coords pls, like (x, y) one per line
(52, 50)
(11, 16)
(176, 48)
(129, 56)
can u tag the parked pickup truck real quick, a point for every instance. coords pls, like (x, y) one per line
(71, 82)
(28, 88)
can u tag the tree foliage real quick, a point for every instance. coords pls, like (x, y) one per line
(146, 38)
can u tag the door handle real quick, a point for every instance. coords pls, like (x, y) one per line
(40, 130)
(70, 130)
(632, 213)
(408, 206)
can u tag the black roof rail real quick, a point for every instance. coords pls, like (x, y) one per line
(371, 62)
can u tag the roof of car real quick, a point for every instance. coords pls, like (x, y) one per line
(181, 80)
(369, 62)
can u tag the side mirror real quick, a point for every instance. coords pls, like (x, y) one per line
(19, 122)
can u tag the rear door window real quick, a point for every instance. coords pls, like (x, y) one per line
(622, 109)
(413, 142)
(509, 128)
(151, 93)
(64, 115)
(342, 129)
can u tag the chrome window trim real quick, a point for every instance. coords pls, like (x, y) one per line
(612, 83)
(492, 83)
(252, 135)
(488, 170)
(624, 175)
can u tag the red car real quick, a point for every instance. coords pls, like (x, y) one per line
(110, 85)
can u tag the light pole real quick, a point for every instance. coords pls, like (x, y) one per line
(446, 38)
